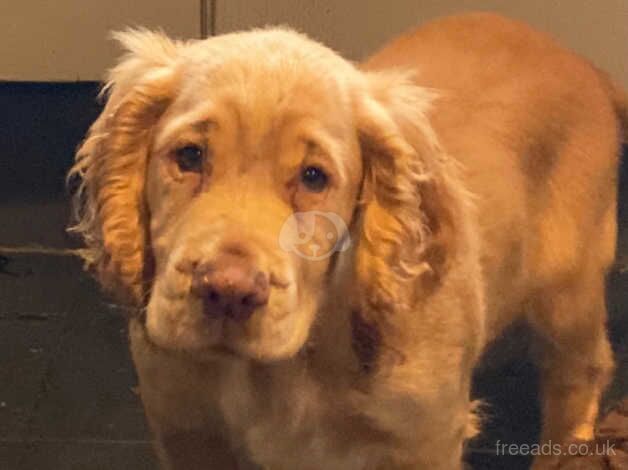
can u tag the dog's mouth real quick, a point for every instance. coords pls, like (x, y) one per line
(211, 326)
(195, 344)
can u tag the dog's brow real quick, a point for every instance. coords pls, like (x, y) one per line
(181, 124)
(320, 144)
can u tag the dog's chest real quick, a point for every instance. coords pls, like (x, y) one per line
(285, 418)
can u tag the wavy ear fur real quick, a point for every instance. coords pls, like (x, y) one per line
(110, 164)
(411, 204)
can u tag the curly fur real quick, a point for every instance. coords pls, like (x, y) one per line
(111, 162)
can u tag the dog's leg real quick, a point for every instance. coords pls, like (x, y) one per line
(576, 359)
(188, 434)
(442, 450)
(427, 434)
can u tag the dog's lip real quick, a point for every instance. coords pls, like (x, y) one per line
(278, 281)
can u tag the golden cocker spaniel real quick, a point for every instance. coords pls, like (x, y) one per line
(320, 252)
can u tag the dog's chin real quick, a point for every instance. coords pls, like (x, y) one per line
(267, 350)
(205, 339)
(198, 338)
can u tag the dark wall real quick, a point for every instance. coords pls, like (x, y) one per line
(41, 125)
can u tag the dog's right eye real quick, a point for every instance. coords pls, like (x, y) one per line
(190, 158)
(314, 179)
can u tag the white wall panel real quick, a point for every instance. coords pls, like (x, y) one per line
(59, 40)
(597, 29)
(67, 39)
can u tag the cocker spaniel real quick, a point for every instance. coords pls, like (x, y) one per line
(319, 252)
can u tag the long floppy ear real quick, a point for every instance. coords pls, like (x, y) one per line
(411, 204)
(110, 164)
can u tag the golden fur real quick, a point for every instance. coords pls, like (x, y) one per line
(474, 164)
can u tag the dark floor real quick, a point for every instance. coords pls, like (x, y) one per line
(67, 396)
(66, 380)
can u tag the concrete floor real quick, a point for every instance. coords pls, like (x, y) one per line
(66, 380)
(67, 396)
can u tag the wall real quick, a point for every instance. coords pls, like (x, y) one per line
(596, 29)
(67, 40)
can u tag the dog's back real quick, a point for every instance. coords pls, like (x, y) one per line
(535, 129)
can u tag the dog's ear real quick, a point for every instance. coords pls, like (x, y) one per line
(110, 165)
(409, 205)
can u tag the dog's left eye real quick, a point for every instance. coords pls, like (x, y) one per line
(314, 179)
(190, 158)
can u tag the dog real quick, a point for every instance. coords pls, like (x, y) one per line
(318, 252)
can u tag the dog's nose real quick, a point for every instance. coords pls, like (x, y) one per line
(230, 286)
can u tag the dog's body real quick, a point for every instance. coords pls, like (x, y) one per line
(517, 191)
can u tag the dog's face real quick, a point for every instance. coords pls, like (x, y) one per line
(251, 184)
(223, 179)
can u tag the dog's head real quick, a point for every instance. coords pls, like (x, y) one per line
(225, 177)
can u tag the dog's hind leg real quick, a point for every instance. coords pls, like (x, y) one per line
(575, 358)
